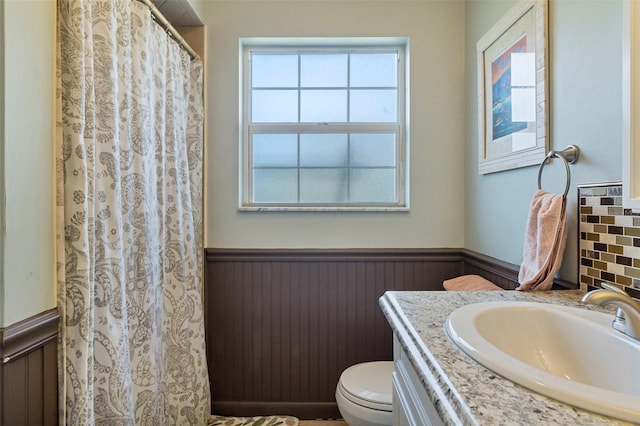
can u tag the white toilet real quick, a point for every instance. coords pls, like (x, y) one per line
(364, 394)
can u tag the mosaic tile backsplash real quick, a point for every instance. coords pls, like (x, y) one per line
(609, 239)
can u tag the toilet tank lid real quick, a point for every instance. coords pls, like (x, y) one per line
(370, 381)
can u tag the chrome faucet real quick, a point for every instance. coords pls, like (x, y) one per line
(627, 318)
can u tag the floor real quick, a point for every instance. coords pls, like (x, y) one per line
(322, 423)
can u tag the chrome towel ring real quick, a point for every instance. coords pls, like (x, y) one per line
(569, 155)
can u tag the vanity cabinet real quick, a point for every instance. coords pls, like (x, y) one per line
(411, 404)
(435, 383)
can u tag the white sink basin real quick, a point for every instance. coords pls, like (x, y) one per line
(569, 354)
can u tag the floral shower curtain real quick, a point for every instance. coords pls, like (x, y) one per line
(129, 243)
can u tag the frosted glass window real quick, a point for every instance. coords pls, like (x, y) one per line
(373, 150)
(323, 150)
(274, 150)
(375, 106)
(374, 70)
(323, 126)
(274, 71)
(324, 70)
(275, 185)
(274, 106)
(373, 185)
(323, 186)
(324, 106)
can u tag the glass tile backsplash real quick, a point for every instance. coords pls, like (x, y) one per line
(609, 239)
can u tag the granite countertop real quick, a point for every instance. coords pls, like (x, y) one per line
(463, 391)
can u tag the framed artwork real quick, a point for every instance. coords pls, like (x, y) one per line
(631, 104)
(512, 89)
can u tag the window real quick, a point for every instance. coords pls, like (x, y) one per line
(323, 126)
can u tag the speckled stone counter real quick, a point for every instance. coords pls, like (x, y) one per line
(463, 391)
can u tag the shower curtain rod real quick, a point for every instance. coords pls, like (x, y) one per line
(166, 25)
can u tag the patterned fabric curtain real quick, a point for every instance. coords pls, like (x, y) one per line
(129, 243)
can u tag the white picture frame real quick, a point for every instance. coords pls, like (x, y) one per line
(631, 105)
(512, 89)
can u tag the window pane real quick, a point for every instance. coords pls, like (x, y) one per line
(273, 150)
(323, 185)
(275, 185)
(272, 106)
(323, 150)
(274, 70)
(373, 106)
(374, 70)
(323, 106)
(373, 150)
(323, 70)
(373, 185)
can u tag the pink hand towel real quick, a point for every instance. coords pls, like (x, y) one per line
(469, 283)
(544, 242)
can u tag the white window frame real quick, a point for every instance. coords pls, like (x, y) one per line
(400, 129)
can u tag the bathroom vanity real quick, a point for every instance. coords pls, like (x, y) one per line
(436, 383)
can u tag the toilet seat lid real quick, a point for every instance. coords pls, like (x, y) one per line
(369, 383)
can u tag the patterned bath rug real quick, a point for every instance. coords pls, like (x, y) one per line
(253, 421)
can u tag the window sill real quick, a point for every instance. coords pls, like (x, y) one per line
(323, 209)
